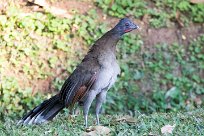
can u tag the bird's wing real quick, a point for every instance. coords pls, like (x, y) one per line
(80, 81)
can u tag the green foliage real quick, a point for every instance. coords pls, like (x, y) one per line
(14, 100)
(20, 44)
(88, 27)
(160, 12)
(32, 46)
(171, 77)
(121, 8)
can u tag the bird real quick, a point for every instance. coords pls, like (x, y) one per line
(91, 79)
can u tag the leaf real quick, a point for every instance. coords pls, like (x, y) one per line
(138, 75)
(114, 7)
(128, 119)
(167, 129)
(96, 130)
(184, 5)
(173, 92)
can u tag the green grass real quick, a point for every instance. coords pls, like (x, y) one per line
(187, 123)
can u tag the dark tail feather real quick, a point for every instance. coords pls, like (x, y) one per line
(43, 112)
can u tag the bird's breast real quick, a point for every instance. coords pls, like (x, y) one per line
(107, 74)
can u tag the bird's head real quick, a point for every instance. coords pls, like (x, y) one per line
(125, 25)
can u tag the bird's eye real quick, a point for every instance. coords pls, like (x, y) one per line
(126, 24)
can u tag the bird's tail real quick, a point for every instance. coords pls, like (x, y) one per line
(43, 112)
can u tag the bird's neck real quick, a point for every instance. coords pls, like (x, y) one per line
(106, 44)
(116, 33)
(109, 40)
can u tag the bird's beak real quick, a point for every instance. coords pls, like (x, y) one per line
(134, 26)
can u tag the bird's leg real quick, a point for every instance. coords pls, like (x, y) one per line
(99, 101)
(87, 105)
(71, 110)
(98, 107)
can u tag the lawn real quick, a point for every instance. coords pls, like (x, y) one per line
(186, 123)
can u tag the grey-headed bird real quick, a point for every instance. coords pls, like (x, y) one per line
(91, 79)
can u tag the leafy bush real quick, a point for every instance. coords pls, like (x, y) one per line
(13, 100)
(171, 77)
(121, 8)
(89, 28)
(161, 12)
(34, 45)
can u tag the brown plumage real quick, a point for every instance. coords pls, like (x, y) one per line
(83, 90)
